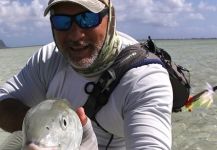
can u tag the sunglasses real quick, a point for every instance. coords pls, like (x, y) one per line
(84, 20)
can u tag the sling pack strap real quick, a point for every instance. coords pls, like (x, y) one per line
(130, 57)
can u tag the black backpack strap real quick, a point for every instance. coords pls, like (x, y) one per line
(130, 57)
(101, 90)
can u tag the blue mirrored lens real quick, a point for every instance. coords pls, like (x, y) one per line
(61, 22)
(84, 20)
(87, 20)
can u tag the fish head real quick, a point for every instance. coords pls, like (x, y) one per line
(52, 125)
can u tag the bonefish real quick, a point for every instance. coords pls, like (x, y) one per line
(50, 125)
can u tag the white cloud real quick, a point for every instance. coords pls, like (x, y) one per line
(206, 7)
(154, 12)
(4, 2)
(18, 18)
(196, 16)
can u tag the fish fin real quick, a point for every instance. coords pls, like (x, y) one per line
(13, 141)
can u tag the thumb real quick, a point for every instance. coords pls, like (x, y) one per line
(82, 116)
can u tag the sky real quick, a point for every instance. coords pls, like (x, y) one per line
(22, 22)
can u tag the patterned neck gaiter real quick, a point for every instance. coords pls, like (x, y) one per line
(109, 51)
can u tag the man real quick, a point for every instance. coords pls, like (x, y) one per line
(138, 112)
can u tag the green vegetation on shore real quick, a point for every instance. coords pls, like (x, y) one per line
(2, 44)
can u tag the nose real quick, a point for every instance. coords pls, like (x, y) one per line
(75, 33)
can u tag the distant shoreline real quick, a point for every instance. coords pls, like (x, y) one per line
(8, 47)
(190, 39)
(140, 40)
(181, 39)
(20, 46)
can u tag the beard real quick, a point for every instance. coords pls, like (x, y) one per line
(81, 54)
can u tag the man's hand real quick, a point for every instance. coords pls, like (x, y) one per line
(12, 113)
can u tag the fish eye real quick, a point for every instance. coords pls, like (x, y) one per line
(64, 122)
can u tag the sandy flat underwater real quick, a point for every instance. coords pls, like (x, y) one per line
(191, 131)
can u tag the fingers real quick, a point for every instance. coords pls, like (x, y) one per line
(82, 116)
(35, 147)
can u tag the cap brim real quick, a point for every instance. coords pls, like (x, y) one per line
(92, 5)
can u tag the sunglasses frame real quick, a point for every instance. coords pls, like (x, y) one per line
(100, 15)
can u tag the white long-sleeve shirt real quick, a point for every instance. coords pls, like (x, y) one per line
(138, 112)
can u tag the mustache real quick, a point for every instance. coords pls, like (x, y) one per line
(76, 43)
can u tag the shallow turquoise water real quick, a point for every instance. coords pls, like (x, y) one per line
(191, 131)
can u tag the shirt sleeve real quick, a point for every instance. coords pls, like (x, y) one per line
(30, 84)
(147, 111)
(89, 140)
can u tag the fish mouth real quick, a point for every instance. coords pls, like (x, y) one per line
(40, 146)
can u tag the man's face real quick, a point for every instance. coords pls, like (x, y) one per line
(80, 46)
